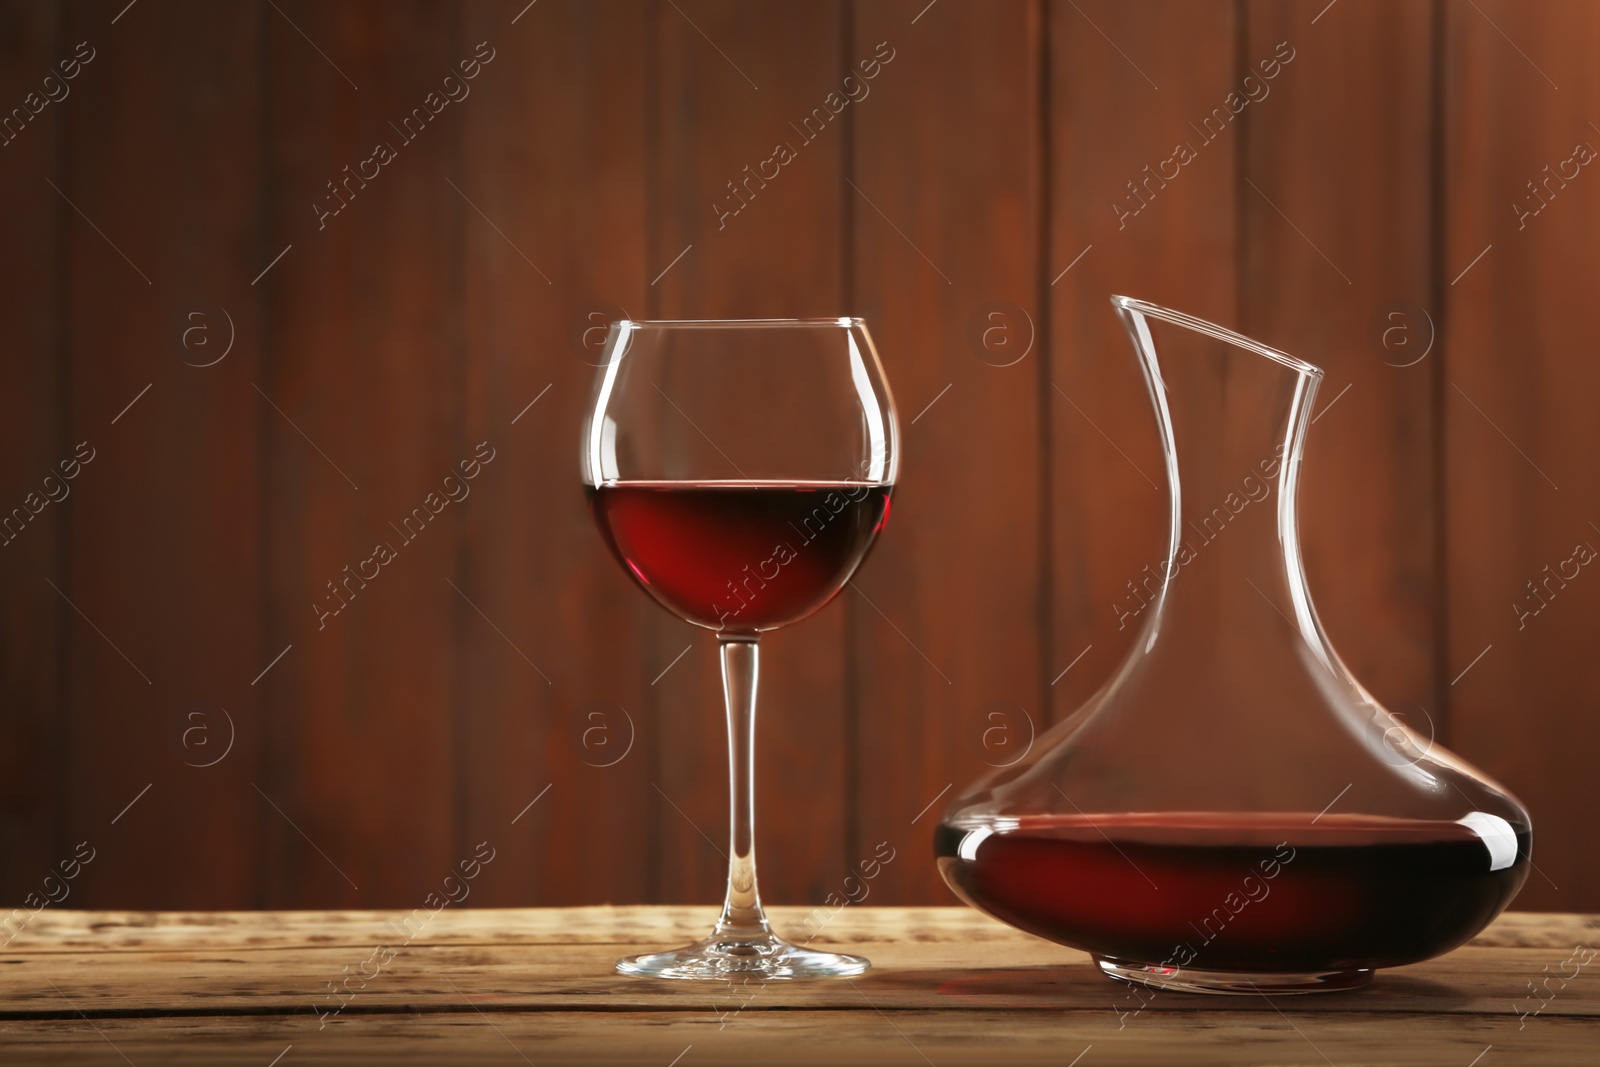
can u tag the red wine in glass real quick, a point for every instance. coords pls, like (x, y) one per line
(739, 471)
(740, 556)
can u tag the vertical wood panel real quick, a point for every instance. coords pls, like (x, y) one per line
(554, 158)
(1521, 437)
(32, 444)
(163, 159)
(987, 162)
(365, 346)
(1336, 236)
(1126, 81)
(946, 225)
(778, 257)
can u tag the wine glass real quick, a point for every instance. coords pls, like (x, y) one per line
(739, 471)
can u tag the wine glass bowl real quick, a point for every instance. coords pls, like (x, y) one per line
(739, 471)
(684, 543)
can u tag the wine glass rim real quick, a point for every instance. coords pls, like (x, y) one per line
(715, 324)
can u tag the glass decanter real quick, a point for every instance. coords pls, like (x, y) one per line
(1232, 812)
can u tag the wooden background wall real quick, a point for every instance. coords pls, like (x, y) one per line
(166, 206)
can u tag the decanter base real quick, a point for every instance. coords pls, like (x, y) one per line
(1237, 983)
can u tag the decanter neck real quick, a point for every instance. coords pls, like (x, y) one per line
(1233, 416)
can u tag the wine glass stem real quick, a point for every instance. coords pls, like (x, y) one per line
(741, 913)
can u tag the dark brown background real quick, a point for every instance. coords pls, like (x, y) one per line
(423, 719)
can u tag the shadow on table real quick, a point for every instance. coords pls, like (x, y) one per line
(1084, 987)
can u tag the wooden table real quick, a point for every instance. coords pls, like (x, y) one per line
(536, 986)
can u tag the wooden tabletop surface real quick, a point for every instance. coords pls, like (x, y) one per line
(536, 986)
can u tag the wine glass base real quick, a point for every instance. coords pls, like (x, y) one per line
(1246, 983)
(722, 959)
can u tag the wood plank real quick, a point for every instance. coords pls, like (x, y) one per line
(67, 929)
(111, 931)
(779, 256)
(945, 226)
(164, 539)
(1520, 489)
(387, 975)
(534, 268)
(1176, 246)
(945, 978)
(32, 445)
(526, 959)
(363, 422)
(858, 1036)
(1332, 242)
